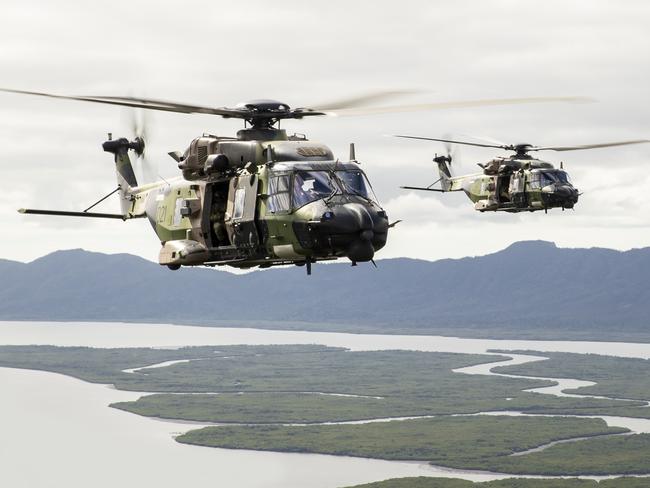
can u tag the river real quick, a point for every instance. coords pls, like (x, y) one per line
(58, 430)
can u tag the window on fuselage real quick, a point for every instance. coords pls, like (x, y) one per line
(534, 181)
(240, 198)
(279, 194)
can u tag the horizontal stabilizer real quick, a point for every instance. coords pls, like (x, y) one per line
(72, 214)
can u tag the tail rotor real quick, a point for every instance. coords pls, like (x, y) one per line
(139, 124)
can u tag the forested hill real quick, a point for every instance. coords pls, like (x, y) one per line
(529, 286)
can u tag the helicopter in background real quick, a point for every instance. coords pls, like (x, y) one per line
(517, 183)
(261, 198)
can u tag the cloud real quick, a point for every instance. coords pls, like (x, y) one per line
(221, 52)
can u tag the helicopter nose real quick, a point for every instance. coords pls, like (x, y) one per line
(565, 196)
(359, 229)
(568, 193)
(354, 218)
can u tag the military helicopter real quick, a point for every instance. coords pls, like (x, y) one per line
(516, 183)
(262, 198)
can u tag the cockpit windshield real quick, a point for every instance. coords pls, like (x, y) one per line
(309, 186)
(555, 176)
(355, 183)
(563, 176)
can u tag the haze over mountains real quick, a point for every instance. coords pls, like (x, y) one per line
(530, 289)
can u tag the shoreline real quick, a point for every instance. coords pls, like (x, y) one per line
(478, 332)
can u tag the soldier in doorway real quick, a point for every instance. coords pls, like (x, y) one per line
(217, 216)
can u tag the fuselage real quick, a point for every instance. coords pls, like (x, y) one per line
(517, 185)
(302, 208)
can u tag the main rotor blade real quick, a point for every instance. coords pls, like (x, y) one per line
(451, 141)
(486, 139)
(336, 108)
(589, 146)
(138, 103)
(354, 102)
(458, 104)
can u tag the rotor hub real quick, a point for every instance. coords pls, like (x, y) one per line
(522, 149)
(264, 105)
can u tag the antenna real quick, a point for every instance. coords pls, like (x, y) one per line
(353, 156)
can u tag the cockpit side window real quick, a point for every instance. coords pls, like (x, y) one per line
(279, 195)
(548, 178)
(540, 179)
(356, 183)
(534, 180)
(563, 176)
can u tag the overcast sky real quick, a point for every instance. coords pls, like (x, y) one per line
(219, 53)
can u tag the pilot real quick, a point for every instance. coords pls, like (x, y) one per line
(217, 216)
(492, 168)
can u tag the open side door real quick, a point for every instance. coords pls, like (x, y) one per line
(240, 212)
(518, 189)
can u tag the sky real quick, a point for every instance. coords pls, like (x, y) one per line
(219, 53)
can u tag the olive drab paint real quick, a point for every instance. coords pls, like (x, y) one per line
(518, 183)
(263, 198)
(514, 185)
(219, 212)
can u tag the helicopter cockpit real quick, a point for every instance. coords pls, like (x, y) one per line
(545, 177)
(554, 187)
(294, 190)
(309, 186)
(330, 207)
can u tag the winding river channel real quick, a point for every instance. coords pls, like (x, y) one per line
(58, 430)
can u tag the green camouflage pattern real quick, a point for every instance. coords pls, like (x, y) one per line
(221, 217)
(515, 184)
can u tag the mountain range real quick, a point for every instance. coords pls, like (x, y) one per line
(530, 289)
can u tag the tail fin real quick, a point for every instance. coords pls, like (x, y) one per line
(444, 170)
(126, 179)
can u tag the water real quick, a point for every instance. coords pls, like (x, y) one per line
(170, 336)
(58, 431)
(635, 425)
(164, 364)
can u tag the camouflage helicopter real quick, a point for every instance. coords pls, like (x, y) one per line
(516, 183)
(262, 198)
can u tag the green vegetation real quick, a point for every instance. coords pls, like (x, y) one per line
(293, 407)
(460, 442)
(615, 377)
(423, 482)
(310, 384)
(107, 365)
(275, 379)
(478, 443)
(620, 454)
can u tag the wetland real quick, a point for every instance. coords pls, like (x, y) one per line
(441, 409)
